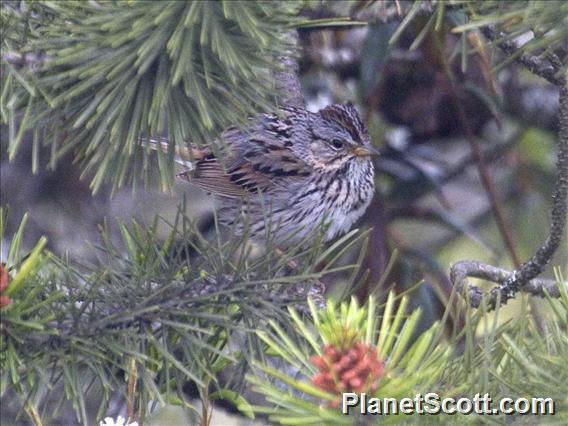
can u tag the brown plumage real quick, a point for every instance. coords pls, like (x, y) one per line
(289, 173)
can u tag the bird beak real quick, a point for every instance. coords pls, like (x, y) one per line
(366, 151)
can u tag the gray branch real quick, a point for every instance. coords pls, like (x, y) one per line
(522, 279)
(287, 79)
(462, 270)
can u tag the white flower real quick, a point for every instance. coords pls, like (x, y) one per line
(120, 421)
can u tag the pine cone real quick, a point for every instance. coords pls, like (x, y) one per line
(357, 369)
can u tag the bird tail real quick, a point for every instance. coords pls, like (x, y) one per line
(185, 156)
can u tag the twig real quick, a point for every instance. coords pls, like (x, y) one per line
(502, 224)
(206, 414)
(547, 69)
(33, 413)
(462, 270)
(398, 8)
(132, 379)
(491, 154)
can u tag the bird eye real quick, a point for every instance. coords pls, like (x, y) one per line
(337, 143)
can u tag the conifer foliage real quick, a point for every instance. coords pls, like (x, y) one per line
(105, 73)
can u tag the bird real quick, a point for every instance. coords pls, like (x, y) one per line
(289, 173)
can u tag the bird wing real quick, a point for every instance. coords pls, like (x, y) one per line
(210, 176)
(259, 159)
(201, 168)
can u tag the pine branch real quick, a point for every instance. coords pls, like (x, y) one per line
(119, 71)
(548, 68)
(147, 307)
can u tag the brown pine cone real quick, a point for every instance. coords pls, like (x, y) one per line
(357, 369)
